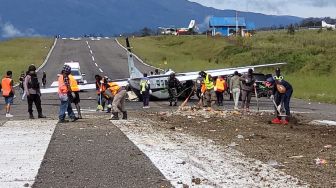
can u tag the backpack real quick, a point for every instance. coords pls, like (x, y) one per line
(34, 83)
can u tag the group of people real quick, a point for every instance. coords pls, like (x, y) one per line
(30, 86)
(244, 86)
(210, 91)
(112, 94)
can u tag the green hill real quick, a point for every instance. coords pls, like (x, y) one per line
(17, 54)
(310, 56)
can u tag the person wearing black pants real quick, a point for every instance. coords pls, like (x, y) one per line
(281, 94)
(32, 89)
(145, 90)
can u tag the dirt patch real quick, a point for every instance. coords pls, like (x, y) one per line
(305, 151)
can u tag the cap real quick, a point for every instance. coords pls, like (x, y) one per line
(270, 79)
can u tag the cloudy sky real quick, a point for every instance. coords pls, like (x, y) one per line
(302, 8)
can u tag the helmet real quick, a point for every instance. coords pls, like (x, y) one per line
(67, 69)
(32, 68)
(202, 73)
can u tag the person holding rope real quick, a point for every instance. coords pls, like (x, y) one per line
(209, 94)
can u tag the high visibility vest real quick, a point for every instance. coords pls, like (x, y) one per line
(62, 88)
(114, 88)
(73, 83)
(6, 86)
(101, 87)
(203, 88)
(220, 85)
(208, 83)
(144, 84)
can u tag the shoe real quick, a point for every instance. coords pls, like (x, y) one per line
(31, 116)
(8, 115)
(124, 115)
(170, 104)
(114, 116)
(285, 122)
(175, 104)
(63, 121)
(276, 121)
(74, 119)
(41, 116)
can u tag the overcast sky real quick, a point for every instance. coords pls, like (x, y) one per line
(301, 8)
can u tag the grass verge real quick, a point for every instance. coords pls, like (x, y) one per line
(17, 54)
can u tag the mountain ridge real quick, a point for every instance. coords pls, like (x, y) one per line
(114, 17)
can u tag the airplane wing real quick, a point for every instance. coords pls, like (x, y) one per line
(91, 86)
(222, 72)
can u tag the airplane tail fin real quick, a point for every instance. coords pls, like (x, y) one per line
(192, 24)
(133, 71)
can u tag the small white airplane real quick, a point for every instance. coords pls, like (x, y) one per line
(167, 31)
(159, 83)
(325, 25)
(191, 28)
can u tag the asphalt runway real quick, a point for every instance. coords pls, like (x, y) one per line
(81, 154)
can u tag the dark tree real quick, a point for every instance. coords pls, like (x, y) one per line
(291, 29)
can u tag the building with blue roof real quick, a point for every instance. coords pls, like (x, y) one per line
(226, 26)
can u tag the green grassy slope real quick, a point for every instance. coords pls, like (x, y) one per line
(310, 56)
(17, 54)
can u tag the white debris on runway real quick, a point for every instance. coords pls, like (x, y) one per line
(189, 160)
(23, 145)
(323, 122)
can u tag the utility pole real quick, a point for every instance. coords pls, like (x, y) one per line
(236, 23)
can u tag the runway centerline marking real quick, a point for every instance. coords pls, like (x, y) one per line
(93, 59)
(96, 64)
(100, 70)
(91, 52)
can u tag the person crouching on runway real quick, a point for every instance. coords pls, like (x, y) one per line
(282, 93)
(117, 95)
